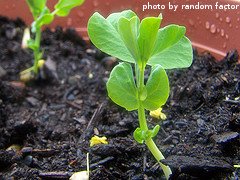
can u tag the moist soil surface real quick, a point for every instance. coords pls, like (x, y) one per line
(45, 126)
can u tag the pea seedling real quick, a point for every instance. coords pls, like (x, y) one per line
(42, 16)
(122, 35)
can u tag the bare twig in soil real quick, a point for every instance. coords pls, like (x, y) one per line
(96, 116)
(198, 167)
(38, 152)
(74, 105)
(144, 162)
(232, 101)
(55, 175)
(102, 162)
(69, 91)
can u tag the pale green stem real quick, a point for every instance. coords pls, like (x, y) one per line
(158, 156)
(37, 50)
(143, 125)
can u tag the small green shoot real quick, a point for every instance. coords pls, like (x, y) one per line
(42, 16)
(141, 43)
(82, 175)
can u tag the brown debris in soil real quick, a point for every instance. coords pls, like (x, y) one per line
(197, 166)
(57, 118)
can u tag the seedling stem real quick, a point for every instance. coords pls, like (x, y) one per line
(36, 50)
(144, 127)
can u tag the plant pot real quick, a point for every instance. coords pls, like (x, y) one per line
(216, 30)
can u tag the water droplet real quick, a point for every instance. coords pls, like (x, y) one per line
(238, 19)
(236, 27)
(191, 22)
(220, 19)
(69, 22)
(218, 30)
(80, 14)
(230, 25)
(95, 3)
(226, 36)
(217, 15)
(198, 18)
(228, 19)
(213, 28)
(207, 25)
(222, 32)
(224, 45)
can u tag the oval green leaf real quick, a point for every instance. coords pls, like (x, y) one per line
(114, 17)
(180, 55)
(121, 87)
(106, 38)
(168, 36)
(147, 36)
(128, 29)
(36, 6)
(63, 7)
(157, 89)
(172, 49)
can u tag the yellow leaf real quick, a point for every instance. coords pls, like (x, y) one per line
(158, 114)
(98, 140)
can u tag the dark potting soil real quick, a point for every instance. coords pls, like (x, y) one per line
(45, 127)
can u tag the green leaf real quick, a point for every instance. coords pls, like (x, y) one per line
(138, 135)
(168, 36)
(36, 6)
(128, 29)
(155, 131)
(147, 36)
(106, 38)
(178, 55)
(157, 89)
(31, 44)
(114, 17)
(172, 49)
(45, 18)
(121, 87)
(63, 7)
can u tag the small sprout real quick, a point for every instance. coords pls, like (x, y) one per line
(42, 16)
(98, 140)
(158, 114)
(82, 175)
(28, 75)
(26, 38)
